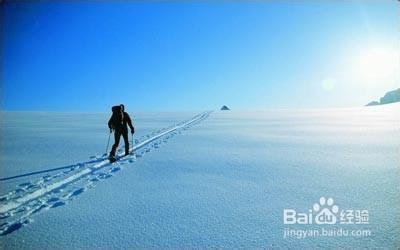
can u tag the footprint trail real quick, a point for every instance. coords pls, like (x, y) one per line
(55, 190)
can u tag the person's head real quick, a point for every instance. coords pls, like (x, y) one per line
(122, 107)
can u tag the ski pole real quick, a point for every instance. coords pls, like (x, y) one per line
(132, 143)
(108, 142)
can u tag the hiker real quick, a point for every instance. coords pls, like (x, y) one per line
(118, 122)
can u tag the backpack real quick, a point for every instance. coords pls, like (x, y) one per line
(116, 109)
(117, 116)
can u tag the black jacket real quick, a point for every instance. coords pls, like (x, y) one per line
(119, 121)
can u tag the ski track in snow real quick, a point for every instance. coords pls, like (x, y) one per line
(50, 191)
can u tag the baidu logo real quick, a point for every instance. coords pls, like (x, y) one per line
(326, 212)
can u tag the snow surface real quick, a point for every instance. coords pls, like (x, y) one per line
(208, 180)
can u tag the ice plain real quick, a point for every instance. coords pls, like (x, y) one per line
(222, 181)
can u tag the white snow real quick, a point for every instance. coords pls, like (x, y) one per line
(18, 201)
(219, 179)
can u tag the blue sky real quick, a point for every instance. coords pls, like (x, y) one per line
(87, 56)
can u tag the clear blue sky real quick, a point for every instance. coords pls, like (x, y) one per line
(87, 56)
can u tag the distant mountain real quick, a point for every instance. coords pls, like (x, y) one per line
(373, 103)
(389, 97)
(224, 108)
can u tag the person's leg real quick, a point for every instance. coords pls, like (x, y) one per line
(126, 140)
(117, 136)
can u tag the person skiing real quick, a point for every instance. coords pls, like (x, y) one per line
(118, 122)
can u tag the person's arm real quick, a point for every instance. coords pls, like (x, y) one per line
(110, 123)
(129, 122)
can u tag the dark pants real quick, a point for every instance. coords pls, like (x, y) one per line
(117, 136)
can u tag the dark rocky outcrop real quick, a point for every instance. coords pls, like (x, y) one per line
(225, 108)
(373, 103)
(389, 97)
